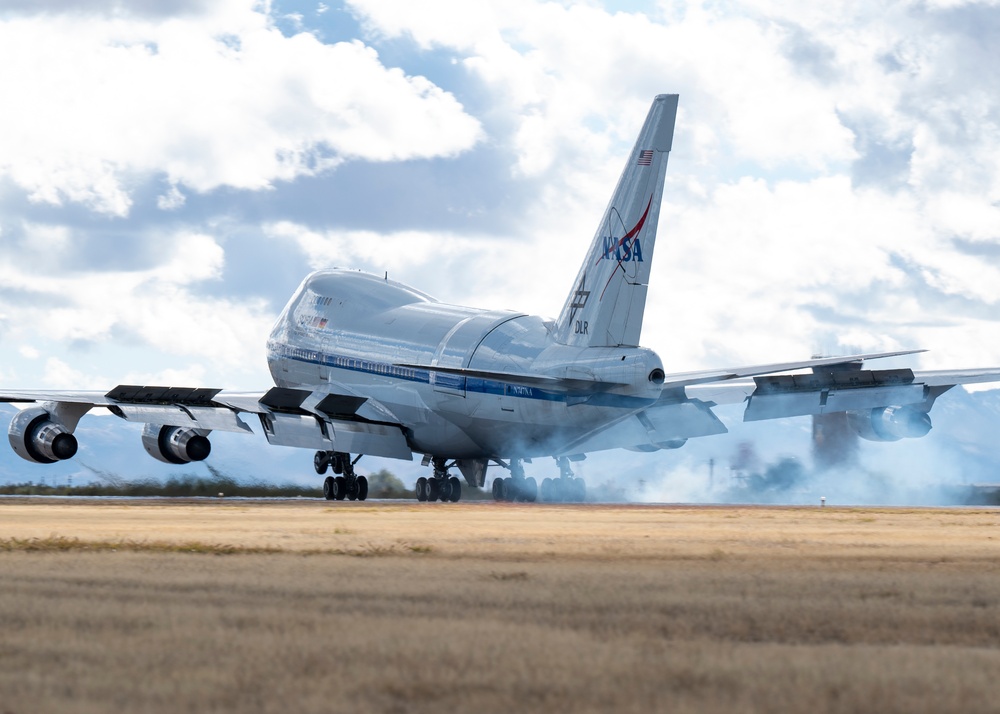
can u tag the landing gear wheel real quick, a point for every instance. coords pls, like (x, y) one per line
(341, 483)
(320, 462)
(362, 488)
(352, 490)
(433, 489)
(456, 489)
(499, 489)
(529, 488)
(510, 490)
(329, 488)
(444, 489)
(547, 490)
(422, 490)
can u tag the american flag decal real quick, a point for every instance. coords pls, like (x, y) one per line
(645, 157)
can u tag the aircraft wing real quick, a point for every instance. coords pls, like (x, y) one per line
(332, 419)
(684, 379)
(897, 401)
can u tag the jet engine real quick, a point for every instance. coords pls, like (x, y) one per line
(176, 445)
(35, 437)
(890, 423)
(648, 448)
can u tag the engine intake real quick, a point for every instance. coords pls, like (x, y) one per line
(176, 445)
(890, 423)
(35, 437)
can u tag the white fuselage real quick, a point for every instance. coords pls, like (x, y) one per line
(382, 339)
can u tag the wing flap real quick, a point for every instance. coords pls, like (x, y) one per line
(776, 406)
(355, 437)
(661, 426)
(211, 418)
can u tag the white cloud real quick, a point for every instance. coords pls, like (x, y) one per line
(559, 66)
(96, 102)
(827, 247)
(158, 307)
(59, 374)
(784, 230)
(170, 200)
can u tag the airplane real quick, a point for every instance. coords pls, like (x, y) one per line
(365, 365)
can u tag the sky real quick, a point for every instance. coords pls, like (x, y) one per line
(171, 169)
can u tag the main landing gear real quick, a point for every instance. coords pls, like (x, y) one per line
(441, 486)
(517, 487)
(347, 484)
(566, 488)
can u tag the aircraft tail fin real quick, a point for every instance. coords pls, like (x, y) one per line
(606, 302)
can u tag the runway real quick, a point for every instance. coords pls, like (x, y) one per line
(485, 529)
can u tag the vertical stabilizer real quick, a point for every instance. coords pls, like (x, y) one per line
(607, 299)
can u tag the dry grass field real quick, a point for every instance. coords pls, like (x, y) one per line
(303, 606)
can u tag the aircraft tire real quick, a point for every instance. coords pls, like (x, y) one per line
(329, 488)
(530, 487)
(511, 490)
(499, 492)
(320, 462)
(341, 487)
(444, 489)
(421, 488)
(546, 491)
(362, 488)
(456, 489)
(433, 489)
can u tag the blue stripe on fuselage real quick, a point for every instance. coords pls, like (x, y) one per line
(476, 385)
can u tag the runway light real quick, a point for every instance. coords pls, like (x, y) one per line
(221, 494)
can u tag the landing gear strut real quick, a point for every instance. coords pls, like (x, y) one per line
(346, 484)
(566, 487)
(441, 486)
(515, 487)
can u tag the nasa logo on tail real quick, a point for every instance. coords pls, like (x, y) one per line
(623, 250)
(627, 248)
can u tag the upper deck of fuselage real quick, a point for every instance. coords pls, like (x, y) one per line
(357, 313)
(361, 290)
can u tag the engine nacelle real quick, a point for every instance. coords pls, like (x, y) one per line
(35, 437)
(649, 448)
(890, 423)
(176, 445)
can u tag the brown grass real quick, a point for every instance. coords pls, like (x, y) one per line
(236, 606)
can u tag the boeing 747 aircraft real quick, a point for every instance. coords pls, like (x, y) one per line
(365, 365)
